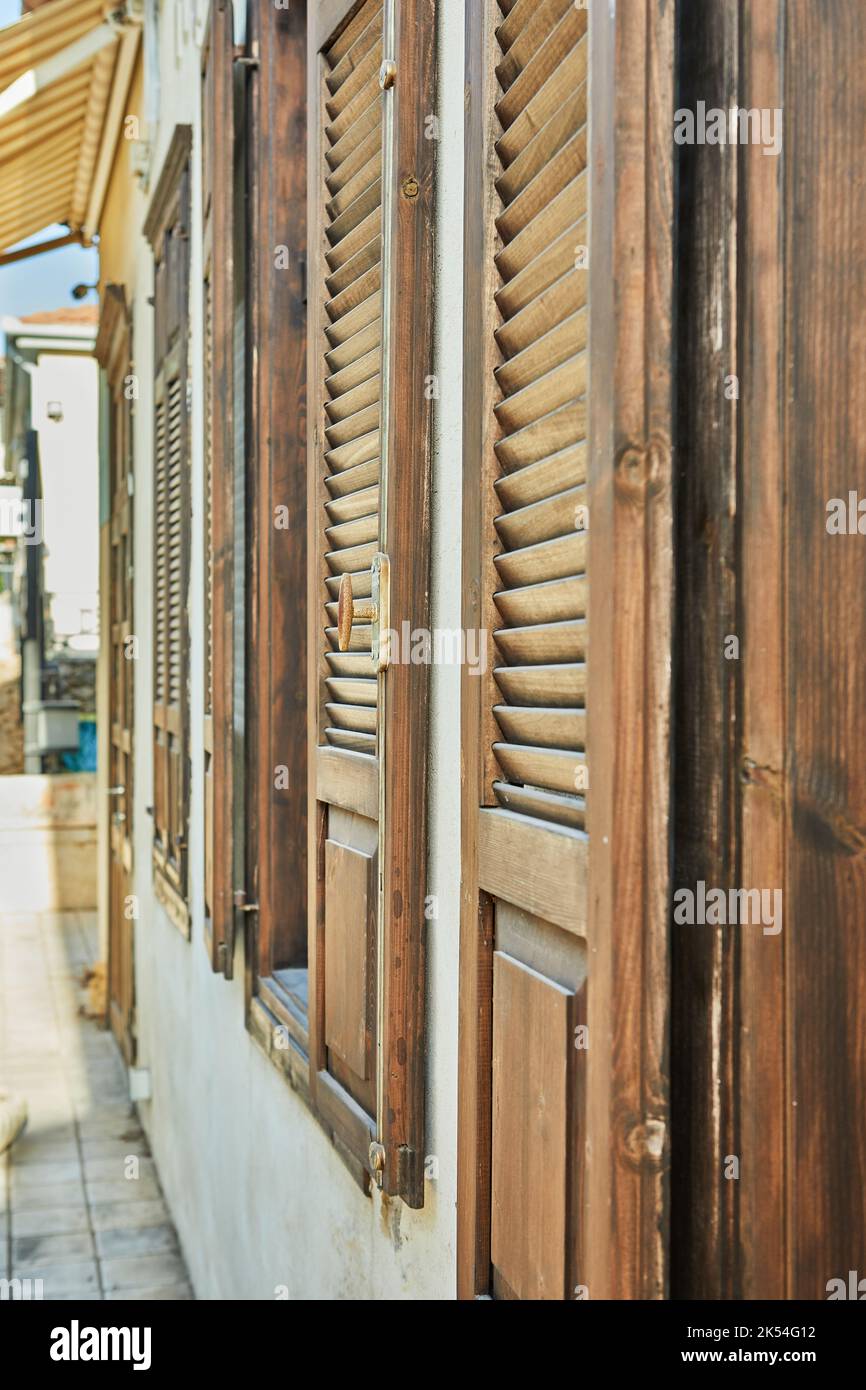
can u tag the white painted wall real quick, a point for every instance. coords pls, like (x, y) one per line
(69, 463)
(259, 1196)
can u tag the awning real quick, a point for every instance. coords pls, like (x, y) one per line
(65, 71)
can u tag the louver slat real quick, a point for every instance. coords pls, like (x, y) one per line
(349, 425)
(541, 599)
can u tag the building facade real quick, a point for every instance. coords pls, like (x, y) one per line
(429, 336)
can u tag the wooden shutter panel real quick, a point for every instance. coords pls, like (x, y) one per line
(353, 363)
(275, 710)
(540, 1005)
(541, 591)
(167, 229)
(113, 352)
(370, 172)
(218, 314)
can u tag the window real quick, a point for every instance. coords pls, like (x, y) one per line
(370, 178)
(337, 494)
(567, 528)
(167, 229)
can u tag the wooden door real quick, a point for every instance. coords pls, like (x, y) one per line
(370, 287)
(114, 351)
(566, 533)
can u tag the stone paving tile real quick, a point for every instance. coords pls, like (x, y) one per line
(117, 1149)
(56, 1195)
(142, 1271)
(175, 1292)
(55, 1221)
(44, 1174)
(135, 1190)
(141, 1240)
(33, 1150)
(114, 1216)
(71, 1246)
(68, 1213)
(112, 1169)
(77, 1277)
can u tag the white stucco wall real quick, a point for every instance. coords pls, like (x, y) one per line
(69, 463)
(259, 1196)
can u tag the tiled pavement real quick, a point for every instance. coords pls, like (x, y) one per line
(80, 1203)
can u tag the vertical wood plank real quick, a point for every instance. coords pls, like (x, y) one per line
(631, 276)
(404, 833)
(706, 794)
(762, 1002)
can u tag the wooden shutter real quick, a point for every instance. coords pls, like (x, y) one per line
(370, 180)
(275, 713)
(167, 229)
(219, 479)
(530, 964)
(541, 589)
(113, 352)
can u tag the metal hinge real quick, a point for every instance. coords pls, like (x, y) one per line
(377, 1161)
(240, 901)
(248, 60)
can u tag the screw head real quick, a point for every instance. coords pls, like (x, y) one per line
(387, 74)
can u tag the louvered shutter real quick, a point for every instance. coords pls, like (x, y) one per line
(370, 180)
(549, 483)
(352, 226)
(219, 477)
(167, 228)
(541, 419)
(112, 351)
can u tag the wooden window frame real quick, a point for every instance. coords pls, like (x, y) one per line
(169, 214)
(623, 1248)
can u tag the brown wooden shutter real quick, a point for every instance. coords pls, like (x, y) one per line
(219, 475)
(370, 172)
(352, 225)
(541, 591)
(530, 962)
(275, 792)
(113, 352)
(167, 228)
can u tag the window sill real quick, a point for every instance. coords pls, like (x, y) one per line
(168, 895)
(277, 1023)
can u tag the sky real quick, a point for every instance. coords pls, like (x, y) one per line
(43, 282)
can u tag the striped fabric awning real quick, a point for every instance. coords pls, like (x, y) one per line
(65, 71)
